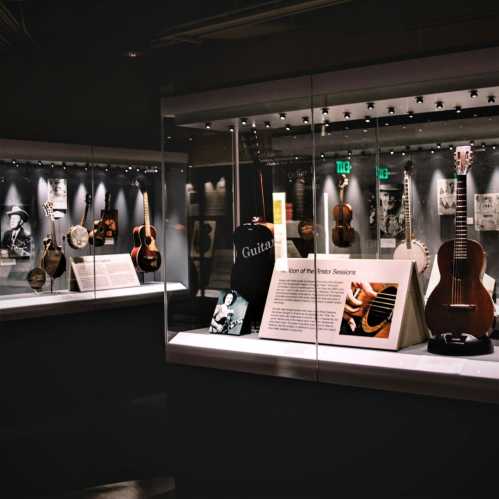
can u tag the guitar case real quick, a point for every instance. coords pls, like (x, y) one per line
(253, 266)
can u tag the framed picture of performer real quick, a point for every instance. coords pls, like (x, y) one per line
(229, 314)
(15, 230)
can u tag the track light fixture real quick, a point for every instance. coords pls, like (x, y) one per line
(451, 147)
(392, 152)
(367, 119)
(458, 109)
(411, 114)
(305, 120)
(325, 111)
(207, 126)
(288, 127)
(267, 124)
(419, 99)
(473, 94)
(244, 121)
(491, 99)
(439, 104)
(347, 115)
(322, 155)
(282, 116)
(231, 128)
(370, 106)
(391, 110)
(432, 151)
(472, 143)
(439, 146)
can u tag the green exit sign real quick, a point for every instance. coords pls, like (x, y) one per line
(343, 167)
(383, 172)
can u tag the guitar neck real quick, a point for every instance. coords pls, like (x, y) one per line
(84, 216)
(147, 221)
(461, 237)
(342, 190)
(407, 210)
(53, 235)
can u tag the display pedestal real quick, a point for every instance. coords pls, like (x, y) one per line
(446, 344)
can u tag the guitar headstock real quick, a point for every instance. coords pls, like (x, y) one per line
(343, 181)
(463, 158)
(48, 208)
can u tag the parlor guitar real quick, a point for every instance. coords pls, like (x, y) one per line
(343, 233)
(460, 304)
(411, 249)
(53, 260)
(145, 252)
(77, 235)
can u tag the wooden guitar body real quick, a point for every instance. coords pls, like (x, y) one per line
(476, 314)
(145, 253)
(376, 313)
(53, 259)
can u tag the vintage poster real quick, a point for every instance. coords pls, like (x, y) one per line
(15, 230)
(487, 211)
(391, 214)
(446, 189)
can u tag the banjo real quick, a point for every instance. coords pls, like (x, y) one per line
(411, 249)
(77, 234)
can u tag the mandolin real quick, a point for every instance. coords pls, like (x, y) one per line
(459, 310)
(53, 260)
(145, 252)
(97, 236)
(77, 235)
(411, 249)
(343, 233)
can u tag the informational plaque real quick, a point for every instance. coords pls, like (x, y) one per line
(364, 303)
(108, 272)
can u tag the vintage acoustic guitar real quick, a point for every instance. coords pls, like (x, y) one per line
(459, 309)
(411, 249)
(145, 253)
(53, 260)
(77, 235)
(343, 233)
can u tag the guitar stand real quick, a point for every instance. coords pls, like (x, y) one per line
(448, 344)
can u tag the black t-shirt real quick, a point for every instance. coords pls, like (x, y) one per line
(252, 270)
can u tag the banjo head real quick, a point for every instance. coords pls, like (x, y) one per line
(418, 252)
(78, 237)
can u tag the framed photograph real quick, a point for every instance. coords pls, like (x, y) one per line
(487, 212)
(391, 214)
(58, 196)
(229, 314)
(446, 189)
(16, 239)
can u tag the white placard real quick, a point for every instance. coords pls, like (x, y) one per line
(111, 272)
(364, 303)
(387, 242)
(280, 238)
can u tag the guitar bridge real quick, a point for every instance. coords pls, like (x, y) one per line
(461, 307)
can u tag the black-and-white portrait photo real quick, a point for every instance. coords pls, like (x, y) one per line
(229, 313)
(58, 196)
(391, 213)
(16, 236)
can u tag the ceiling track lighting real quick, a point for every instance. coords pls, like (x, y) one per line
(231, 128)
(391, 110)
(451, 147)
(419, 99)
(439, 104)
(267, 124)
(282, 116)
(367, 119)
(392, 152)
(325, 111)
(370, 106)
(439, 146)
(347, 115)
(322, 155)
(472, 143)
(305, 120)
(411, 114)
(253, 125)
(244, 121)
(491, 99)
(288, 127)
(458, 109)
(207, 126)
(473, 94)
(432, 151)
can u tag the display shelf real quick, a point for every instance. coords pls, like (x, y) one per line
(63, 302)
(410, 370)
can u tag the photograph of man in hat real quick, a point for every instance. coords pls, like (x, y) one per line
(391, 219)
(15, 241)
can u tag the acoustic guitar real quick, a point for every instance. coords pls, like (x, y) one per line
(53, 260)
(411, 249)
(460, 308)
(145, 253)
(77, 235)
(343, 233)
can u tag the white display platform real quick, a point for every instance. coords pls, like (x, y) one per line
(410, 370)
(31, 304)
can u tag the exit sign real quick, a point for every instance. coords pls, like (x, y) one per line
(383, 172)
(343, 167)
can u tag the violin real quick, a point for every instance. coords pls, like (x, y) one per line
(343, 233)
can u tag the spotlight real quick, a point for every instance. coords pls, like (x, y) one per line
(322, 155)
(305, 120)
(14, 162)
(267, 124)
(392, 152)
(282, 116)
(346, 114)
(253, 125)
(472, 143)
(349, 153)
(288, 127)
(207, 126)
(391, 110)
(39, 163)
(403, 153)
(491, 99)
(296, 158)
(451, 147)
(458, 109)
(432, 151)
(387, 123)
(244, 121)
(411, 114)
(473, 94)
(419, 99)
(231, 128)
(439, 146)
(370, 106)
(483, 145)
(325, 111)
(494, 147)
(367, 119)
(439, 104)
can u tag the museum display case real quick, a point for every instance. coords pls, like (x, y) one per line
(318, 208)
(85, 224)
